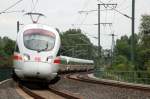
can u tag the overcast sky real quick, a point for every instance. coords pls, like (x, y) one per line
(63, 14)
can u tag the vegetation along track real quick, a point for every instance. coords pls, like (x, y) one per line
(47, 93)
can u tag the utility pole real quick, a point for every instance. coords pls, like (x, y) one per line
(132, 27)
(18, 26)
(106, 6)
(112, 47)
(133, 24)
(99, 47)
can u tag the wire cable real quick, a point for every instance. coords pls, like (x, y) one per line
(11, 6)
(34, 5)
(110, 1)
(84, 6)
(118, 11)
(84, 18)
(124, 8)
(15, 11)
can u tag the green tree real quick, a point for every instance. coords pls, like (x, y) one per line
(123, 47)
(9, 47)
(144, 44)
(76, 44)
(6, 51)
(145, 32)
(121, 63)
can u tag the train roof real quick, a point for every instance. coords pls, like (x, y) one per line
(71, 59)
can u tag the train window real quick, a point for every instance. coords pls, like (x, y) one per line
(39, 40)
(17, 48)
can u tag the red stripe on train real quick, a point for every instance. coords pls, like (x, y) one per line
(57, 60)
(17, 57)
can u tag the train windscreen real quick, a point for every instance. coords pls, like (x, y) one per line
(39, 40)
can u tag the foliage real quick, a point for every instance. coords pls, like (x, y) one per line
(122, 59)
(123, 47)
(145, 32)
(144, 44)
(9, 47)
(6, 50)
(121, 63)
(143, 59)
(76, 44)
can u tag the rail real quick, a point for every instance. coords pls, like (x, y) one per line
(29, 92)
(87, 79)
(35, 95)
(66, 95)
(138, 77)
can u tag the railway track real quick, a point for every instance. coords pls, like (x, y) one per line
(48, 93)
(87, 79)
(76, 89)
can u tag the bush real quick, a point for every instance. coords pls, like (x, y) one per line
(121, 63)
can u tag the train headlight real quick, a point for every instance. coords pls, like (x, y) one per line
(26, 57)
(49, 58)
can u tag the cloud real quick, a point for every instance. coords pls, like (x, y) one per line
(63, 13)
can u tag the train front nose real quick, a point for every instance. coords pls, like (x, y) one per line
(41, 70)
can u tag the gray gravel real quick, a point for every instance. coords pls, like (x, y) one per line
(99, 91)
(7, 91)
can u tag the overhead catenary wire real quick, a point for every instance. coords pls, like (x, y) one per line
(11, 6)
(34, 5)
(84, 18)
(125, 8)
(113, 20)
(110, 1)
(106, 8)
(22, 11)
(84, 6)
(117, 11)
(123, 5)
(88, 11)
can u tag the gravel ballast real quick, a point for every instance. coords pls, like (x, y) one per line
(7, 90)
(99, 91)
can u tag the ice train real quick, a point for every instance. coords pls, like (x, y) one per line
(36, 54)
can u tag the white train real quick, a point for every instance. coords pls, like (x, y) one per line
(35, 56)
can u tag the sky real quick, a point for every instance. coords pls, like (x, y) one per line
(64, 14)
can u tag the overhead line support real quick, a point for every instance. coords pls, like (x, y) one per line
(99, 47)
(133, 26)
(106, 6)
